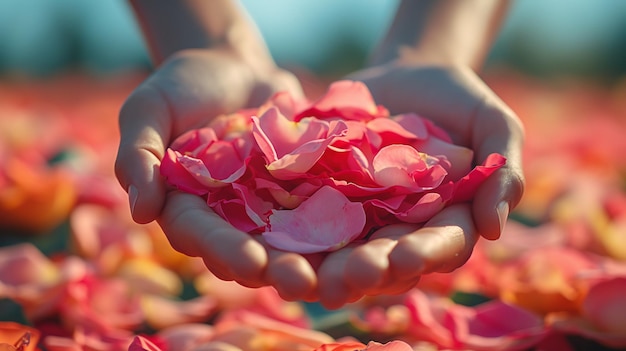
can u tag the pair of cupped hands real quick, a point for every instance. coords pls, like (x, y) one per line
(194, 84)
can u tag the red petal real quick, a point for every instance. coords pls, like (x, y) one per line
(466, 187)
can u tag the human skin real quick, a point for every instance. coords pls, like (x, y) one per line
(429, 66)
(210, 59)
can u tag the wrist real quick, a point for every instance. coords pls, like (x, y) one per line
(172, 26)
(243, 40)
(415, 56)
(455, 32)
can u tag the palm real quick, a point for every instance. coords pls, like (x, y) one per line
(457, 100)
(396, 256)
(198, 85)
(184, 94)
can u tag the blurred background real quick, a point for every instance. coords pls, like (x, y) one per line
(66, 67)
(580, 38)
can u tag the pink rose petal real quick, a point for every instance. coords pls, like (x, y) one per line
(194, 140)
(396, 133)
(185, 336)
(140, 343)
(209, 162)
(602, 317)
(493, 325)
(288, 199)
(424, 209)
(256, 165)
(327, 221)
(402, 165)
(292, 156)
(162, 312)
(347, 100)
(414, 124)
(57, 343)
(177, 175)
(466, 187)
(241, 207)
(395, 345)
(459, 158)
(286, 103)
(285, 135)
(349, 164)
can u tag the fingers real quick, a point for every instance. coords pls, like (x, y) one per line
(193, 229)
(477, 119)
(279, 80)
(333, 288)
(368, 265)
(143, 136)
(444, 243)
(497, 130)
(290, 274)
(396, 256)
(363, 269)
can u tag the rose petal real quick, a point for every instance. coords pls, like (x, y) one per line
(292, 157)
(346, 99)
(284, 135)
(57, 343)
(493, 325)
(467, 186)
(415, 125)
(185, 336)
(232, 126)
(288, 199)
(140, 343)
(326, 221)
(342, 346)
(395, 345)
(194, 140)
(245, 329)
(161, 312)
(24, 264)
(459, 158)
(394, 133)
(424, 209)
(286, 104)
(402, 165)
(177, 175)
(241, 207)
(218, 166)
(604, 306)
(349, 164)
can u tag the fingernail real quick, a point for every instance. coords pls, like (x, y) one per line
(133, 194)
(503, 214)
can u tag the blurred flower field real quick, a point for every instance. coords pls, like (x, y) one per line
(76, 273)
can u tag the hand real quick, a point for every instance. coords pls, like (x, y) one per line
(457, 100)
(184, 93)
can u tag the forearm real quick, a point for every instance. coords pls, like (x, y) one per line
(170, 26)
(442, 32)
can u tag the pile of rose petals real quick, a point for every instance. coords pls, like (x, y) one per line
(313, 177)
(92, 279)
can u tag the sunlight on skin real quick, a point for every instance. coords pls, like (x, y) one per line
(173, 100)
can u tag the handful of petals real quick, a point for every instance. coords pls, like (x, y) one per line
(313, 177)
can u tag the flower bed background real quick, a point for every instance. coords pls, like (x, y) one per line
(78, 274)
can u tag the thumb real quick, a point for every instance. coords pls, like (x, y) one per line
(497, 129)
(144, 132)
(494, 200)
